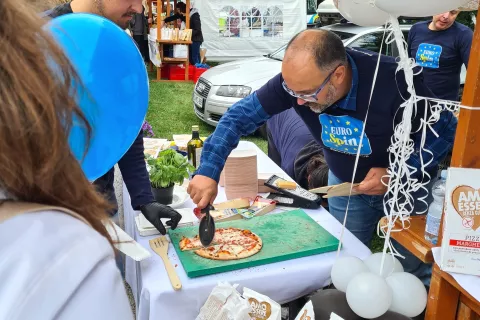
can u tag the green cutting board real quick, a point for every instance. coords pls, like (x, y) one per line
(285, 236)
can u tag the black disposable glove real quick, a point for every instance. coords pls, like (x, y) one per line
(155, 211)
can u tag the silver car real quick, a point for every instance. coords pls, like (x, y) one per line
(221, 86)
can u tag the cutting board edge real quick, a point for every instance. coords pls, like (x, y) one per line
(256, 263)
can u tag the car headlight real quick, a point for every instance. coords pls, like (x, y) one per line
(234, 91)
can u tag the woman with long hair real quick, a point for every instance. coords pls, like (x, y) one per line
(56, 261)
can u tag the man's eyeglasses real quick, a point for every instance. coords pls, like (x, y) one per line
(309, 97)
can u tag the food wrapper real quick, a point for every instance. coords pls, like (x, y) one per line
(263, 308)
(334, 316)
(307, 312)
(260, 207)
(225, 303)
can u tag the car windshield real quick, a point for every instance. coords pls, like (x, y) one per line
(278, 55)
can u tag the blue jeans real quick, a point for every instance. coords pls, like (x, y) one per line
(364, 213)
(195, 52)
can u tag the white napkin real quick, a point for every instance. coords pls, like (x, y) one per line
(126, 244)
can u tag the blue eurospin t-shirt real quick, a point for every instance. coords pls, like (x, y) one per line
(338, 129)
(441, 54)
(290, 135)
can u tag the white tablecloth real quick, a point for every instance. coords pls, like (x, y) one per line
(283, 281)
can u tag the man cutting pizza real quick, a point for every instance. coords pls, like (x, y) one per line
(329, 87)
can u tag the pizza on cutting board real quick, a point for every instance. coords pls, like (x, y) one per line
(228, 244)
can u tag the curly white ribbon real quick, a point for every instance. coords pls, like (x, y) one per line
(398, 201)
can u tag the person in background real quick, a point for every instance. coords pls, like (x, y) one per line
(132, 165)
(139, 29)
(441, 46)
(55, 264)
(292, 147)
(195, 25)
(197, 36)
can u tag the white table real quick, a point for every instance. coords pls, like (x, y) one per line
(283, 281)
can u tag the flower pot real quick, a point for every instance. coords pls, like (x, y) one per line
(163, 195)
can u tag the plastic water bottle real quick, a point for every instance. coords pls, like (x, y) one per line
(436, 208)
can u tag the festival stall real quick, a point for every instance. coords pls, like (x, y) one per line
(241, 28)
(173, 36)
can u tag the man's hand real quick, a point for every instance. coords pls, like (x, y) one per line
(203, 190)
(155, 211)
(372, 184)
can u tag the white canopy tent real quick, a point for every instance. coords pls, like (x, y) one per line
(244, 28)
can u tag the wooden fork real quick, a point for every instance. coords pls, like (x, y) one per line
(160, 246)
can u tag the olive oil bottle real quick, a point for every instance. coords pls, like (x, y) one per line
(194, 148)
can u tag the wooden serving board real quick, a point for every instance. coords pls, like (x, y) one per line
(285, 236)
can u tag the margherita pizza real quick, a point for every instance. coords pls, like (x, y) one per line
(228, 244)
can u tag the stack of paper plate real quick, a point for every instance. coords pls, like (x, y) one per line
(240, 175)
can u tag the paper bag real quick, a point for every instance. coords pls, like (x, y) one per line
(180, 51)
(225, 303)
(306, 313)
(153, 51)
(263, 308)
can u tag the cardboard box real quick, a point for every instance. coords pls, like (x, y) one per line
(461, 227)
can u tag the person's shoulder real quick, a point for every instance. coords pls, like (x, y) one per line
(53, 231)
(461, 27)
(364, 59)
(40, 250)
(46, 252)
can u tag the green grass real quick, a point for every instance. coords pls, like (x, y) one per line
(171, 112)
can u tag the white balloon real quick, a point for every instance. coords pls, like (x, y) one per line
(390, 265)
(361, 12)
(415, 8)
(369, 295)
(345, 269)
(409, 296)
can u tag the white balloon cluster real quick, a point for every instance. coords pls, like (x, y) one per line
(373, 289)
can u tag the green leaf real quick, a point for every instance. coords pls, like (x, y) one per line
(170, 167)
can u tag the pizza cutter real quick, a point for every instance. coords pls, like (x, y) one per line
(206, 230)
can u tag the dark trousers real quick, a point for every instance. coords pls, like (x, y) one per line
(194, 53)
(142, 46)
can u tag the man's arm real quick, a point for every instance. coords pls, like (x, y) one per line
(243, 118)
(135, 175)
(409, 42)
(465, 44)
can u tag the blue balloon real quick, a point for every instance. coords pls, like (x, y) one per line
(115, 101)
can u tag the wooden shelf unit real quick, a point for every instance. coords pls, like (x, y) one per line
(161, 43)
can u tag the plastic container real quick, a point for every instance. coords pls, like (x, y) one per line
(198, 73)
(178, 73)
(435, 210)
(166, 71)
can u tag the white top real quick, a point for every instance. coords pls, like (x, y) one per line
(53, 266)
